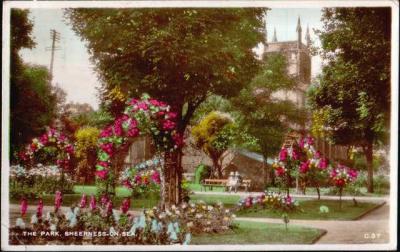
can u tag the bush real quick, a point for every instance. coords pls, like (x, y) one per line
(202, 172)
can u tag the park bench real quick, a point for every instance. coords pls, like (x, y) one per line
(210, 183)
(246, 183)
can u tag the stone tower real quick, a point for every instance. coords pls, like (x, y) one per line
(299, 63)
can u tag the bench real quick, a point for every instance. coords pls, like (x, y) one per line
(210, 183)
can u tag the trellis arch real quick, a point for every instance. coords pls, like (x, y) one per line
(52, 138)
(140, 117)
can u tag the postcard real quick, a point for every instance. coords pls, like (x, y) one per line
(199, 125)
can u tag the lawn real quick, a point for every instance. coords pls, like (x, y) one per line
(248, 232)
(227, 200)
(309, 210)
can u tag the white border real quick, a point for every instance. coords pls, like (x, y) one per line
(392, 245)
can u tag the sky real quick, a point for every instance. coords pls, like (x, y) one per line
(74, 72)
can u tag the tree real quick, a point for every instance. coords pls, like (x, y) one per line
(263, 117)
(32, 102)
(86, 151)
(178, 56)
(352, 99)
(214, 134)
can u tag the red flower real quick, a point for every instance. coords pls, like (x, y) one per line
(172, 115)
(83, 201)
(283, 154)
(304, 166)
(102, 174)
(92, 202)
(126, 203)
(44, 139)
(156, 177)
(127, 184)
(154, 102)
(24, 206)
(142, 106)
(168, 125)
(133, 102)
(279, 171)
(178, 139)
(57, 201)
(339, 182)
(323, 163)
(108, 148)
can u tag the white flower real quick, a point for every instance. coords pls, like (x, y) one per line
(76, 211)
(227, 211)
(199, 216)
(48, 216)
(190, 224)
(192, 205)
(34, 219)
(53, 227)
(20, 223)
(233, 215)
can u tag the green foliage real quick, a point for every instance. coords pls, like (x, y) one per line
(32, 101)
(264, 120)
(86, 140)
(179, 56)
(213, 135)
(353, 93)
(202, 171)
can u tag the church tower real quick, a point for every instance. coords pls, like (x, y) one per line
(298, 63)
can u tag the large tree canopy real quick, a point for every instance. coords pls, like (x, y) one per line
(176, 55)
(352, 99)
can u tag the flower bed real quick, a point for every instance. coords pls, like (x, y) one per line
(95, 221)
(272, 201)
(37, 180)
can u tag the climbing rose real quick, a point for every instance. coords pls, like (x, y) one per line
(283, 154)
(168, 125)
(102, 174)
(323, 163)
(304, 166)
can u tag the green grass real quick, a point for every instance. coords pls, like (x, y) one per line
(89, 189)
(198, 188)
(309, 210)
(249, 232)
(227, 200)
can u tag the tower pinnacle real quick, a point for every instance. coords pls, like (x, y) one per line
(308, 37)
(298, 30)
(274, 39)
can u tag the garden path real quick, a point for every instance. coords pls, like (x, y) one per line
(372, 228)
(327, 197)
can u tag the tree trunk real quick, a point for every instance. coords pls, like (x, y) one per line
(368, 152)
(171, 189)
(217, 168)
(318, 192)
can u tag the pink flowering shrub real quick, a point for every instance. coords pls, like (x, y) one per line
(145, 116)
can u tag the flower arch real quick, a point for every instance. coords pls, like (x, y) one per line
(140, 117)
(52, 138)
